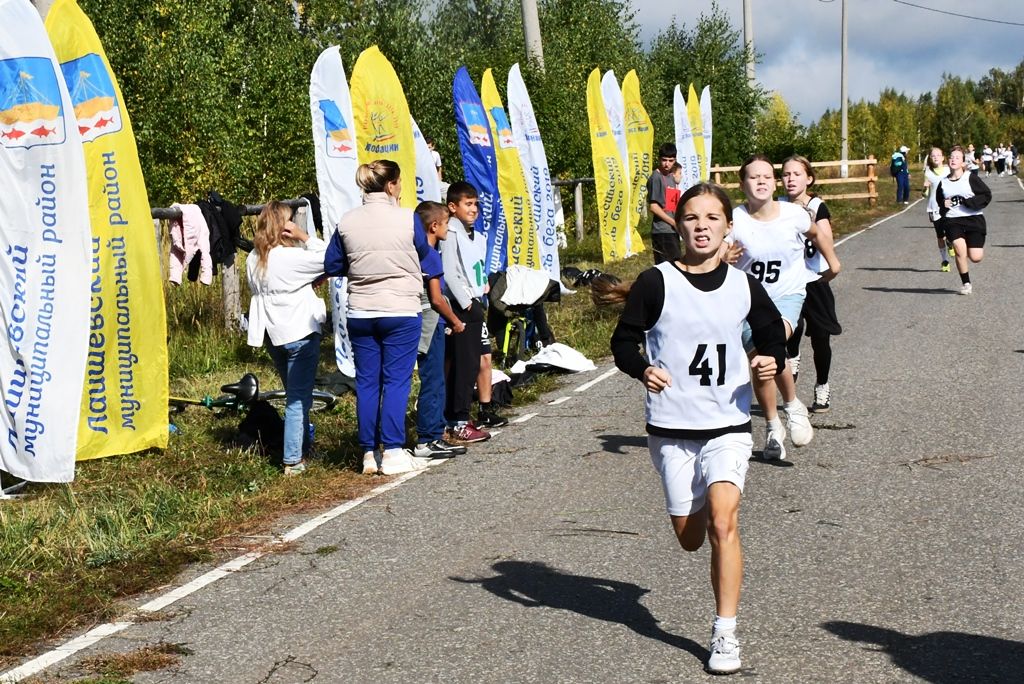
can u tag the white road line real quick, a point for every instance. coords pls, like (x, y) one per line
(879, 222)
(560, 400)
(525, 417)
(69, 648)
(37, 665)
(587, 385)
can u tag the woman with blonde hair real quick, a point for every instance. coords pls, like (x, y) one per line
(285, 315)
(383, 249)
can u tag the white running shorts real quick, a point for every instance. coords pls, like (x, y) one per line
(688, 467)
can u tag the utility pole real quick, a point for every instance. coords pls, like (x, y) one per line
(748, 39)
(531, 31)
(844, 168)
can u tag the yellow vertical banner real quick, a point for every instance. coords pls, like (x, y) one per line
(640, 153)
(697, 128)
(382, 120)
(124, 401)
(515, 196)
(609, 176)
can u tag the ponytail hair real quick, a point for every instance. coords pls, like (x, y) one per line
(608, 291)
(375, 176)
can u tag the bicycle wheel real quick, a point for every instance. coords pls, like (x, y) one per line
(322, 401)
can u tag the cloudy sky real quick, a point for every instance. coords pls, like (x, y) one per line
(889, 44)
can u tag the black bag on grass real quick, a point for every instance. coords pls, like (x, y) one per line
(262, 427)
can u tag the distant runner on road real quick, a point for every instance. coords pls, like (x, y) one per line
(961, 198)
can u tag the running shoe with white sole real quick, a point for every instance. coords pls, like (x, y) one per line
(467, 433)
(822, 394)
(370, 463)
(945, 267)
(398, 461)
(774, 443)
(435, 449)
(725, 653)
(966, 289)
(798, 424)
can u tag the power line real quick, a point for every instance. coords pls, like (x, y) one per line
(962, 16)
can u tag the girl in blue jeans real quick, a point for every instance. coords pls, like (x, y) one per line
(285, 314)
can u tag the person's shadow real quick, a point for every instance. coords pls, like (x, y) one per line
(942, 657)
(535, 584)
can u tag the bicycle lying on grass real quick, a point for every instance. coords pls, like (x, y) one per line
(241, 395)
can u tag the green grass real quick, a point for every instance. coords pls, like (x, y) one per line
(129, 523)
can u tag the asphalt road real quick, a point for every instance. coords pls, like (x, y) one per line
(890, 549)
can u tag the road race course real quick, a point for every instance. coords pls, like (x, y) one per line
(890, 549)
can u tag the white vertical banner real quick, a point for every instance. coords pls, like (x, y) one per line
(334, 143)
(705, 115)
(535, 167)
(686, 152)
(428, 185)
(615, 107)
(45, 254)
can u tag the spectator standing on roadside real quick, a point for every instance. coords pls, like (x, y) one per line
(430, 423)
(383, 250)
(285, 315)
(664, 238)
(464, 254)
(436, 156)
(899, 168)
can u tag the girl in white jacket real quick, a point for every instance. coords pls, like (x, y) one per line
(285, 314)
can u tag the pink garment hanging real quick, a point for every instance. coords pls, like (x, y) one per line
(189, 235)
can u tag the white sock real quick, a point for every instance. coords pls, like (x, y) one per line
(775, 422)
(787, 405)
(724, 624)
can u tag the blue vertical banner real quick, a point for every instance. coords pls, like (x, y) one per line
(480, 167)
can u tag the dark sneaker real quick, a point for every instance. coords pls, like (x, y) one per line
(456, 449)
(467, 433)
(435, 449)
(490, 419)
(822, 395)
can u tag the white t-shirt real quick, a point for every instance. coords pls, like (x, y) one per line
(437, 158)
(773, 251)
(934, 178)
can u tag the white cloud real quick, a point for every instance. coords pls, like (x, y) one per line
(889, 44)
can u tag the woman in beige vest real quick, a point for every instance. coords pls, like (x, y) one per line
(381, 247)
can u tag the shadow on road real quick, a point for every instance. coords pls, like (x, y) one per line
(535, 584)
(913, 290)
(1008, 245)
(615, 443)
(903, 269)
(941, 657)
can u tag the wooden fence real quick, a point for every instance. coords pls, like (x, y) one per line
(829, 176)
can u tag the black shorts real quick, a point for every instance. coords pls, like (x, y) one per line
(819, 311)
(973, 235)
(940, 232)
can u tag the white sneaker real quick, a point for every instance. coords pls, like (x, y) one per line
(774, 443)
(725, 653)
(794, 365)
(966, 289)
(798, 424)
(370, 463)
(398, 461)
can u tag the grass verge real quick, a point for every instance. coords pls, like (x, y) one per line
(130, 523)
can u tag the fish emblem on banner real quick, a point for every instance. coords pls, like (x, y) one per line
(504, 128)
(338, 141)
(93, 96)
(476, 121)
(30, 105)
